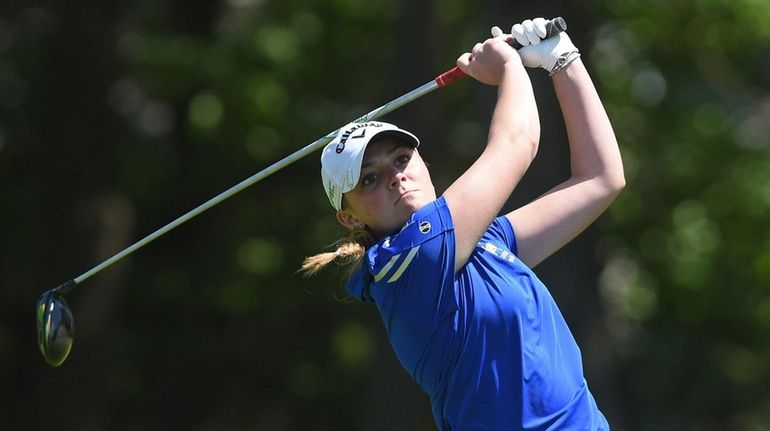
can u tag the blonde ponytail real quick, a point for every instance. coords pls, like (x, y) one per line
(347, 254)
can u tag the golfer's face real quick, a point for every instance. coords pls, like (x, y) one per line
(394, 183)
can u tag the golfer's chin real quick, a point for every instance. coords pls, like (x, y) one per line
(414, 200)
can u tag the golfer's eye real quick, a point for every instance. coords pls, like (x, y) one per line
(402, 159)
(368, 179)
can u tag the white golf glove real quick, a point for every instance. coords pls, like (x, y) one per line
(552, 54)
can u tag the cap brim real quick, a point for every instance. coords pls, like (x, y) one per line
(395, 134)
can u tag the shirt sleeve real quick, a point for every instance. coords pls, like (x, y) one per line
(502, 229)
(420, 254)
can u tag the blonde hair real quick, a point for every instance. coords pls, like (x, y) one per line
(348, 253)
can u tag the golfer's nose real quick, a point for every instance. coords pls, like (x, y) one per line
(396, 177)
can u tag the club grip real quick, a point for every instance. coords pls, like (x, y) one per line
(553, 27)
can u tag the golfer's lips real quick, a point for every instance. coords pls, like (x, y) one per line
(402, 195)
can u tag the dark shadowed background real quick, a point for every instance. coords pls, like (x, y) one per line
(117, 117)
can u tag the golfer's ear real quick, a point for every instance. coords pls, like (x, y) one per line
(348, 220)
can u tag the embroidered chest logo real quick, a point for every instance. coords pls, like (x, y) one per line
(424, 227)
(499, 252)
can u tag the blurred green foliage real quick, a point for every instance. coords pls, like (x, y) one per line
(686, 85)
(116, 118)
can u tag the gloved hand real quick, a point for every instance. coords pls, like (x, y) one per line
(552, 54)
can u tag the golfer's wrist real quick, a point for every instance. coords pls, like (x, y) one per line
(513, 66)
(563, 62)
(569, 71)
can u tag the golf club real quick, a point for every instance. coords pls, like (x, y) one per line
(55, 323)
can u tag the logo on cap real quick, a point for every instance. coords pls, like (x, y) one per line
(346, 135)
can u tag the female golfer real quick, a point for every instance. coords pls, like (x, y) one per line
(467, 318)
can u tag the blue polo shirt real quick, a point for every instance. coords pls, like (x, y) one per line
(488, 343)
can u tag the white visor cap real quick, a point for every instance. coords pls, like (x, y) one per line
(341, 158)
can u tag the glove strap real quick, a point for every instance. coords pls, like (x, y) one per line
(564, 61)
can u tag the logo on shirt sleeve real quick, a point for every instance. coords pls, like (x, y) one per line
(499, 252)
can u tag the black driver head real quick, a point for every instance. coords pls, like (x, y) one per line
(55, 327)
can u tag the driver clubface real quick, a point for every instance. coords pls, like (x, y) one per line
(55, 327)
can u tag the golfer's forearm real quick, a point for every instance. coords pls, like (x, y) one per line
(594, 152)
(515, 120)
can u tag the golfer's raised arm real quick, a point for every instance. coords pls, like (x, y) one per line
(478, 195)
(548, 223)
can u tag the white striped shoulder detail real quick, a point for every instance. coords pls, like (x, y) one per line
(404, 264)
(384, 271)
